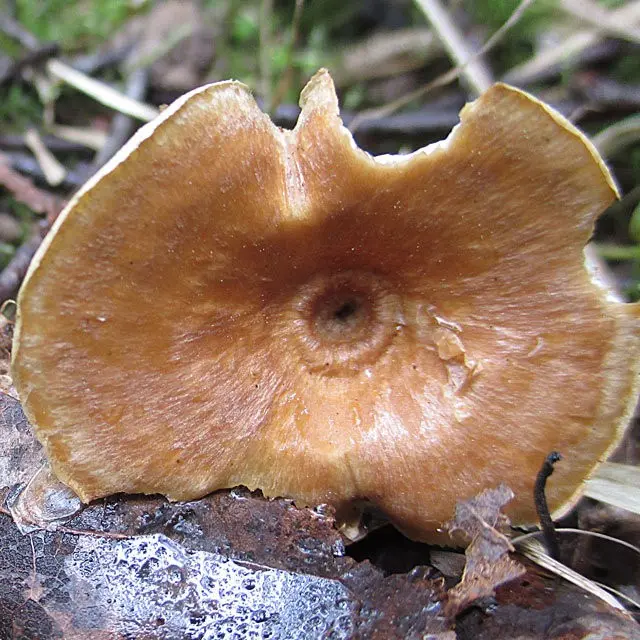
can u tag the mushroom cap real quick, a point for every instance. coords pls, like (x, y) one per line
(227, 303)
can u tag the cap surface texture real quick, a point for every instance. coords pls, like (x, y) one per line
(228, 303)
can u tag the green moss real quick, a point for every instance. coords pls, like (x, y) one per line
(634, 224)
(494, 13)
(9, 46)
(19, 107)
(634, 163)
(627, 69)
(632, 290)
(245, 27)
(72, 24)
(7, 251)
(518, 43)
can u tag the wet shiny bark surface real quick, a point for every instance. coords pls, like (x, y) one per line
(234, 565)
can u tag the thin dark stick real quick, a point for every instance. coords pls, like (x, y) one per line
(95, 62)
(16, 141)
(434, 117)
(25, 163)
(14, 30)
(596, 53)
(542, 509)
(13, 274)
(35, 56)
(607, 91)
(430, 120)
(446, 78)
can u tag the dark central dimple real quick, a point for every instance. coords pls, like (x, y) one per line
(345, 311)
(344, 321)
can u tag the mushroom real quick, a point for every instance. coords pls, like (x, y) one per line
(227, 303)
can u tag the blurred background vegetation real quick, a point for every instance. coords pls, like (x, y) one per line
(387, 57)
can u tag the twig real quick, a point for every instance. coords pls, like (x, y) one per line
(542, 509)
(427, 120)
(10, 230)
(477, 75)
(533, 550)
(551, 60)
(53, 171)
(13, 274)
(79, 137)
(533, 534)
(122, 125)
(621, 134)
(385, 54)
(58, 144)
(593, 14)
(444, 79)
(14, 30)
(26, 192)
(101, 92)
(512, 20)
(140, 59)
(605, 91)
(285, 80)
(36, 52)
(437, 116)
(545, 66)
(34, 57)
(25, 163)
(94, 62)
(618, 594)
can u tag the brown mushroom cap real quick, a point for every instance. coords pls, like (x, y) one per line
(228, 303)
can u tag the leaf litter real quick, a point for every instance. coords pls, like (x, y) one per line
(488, 563)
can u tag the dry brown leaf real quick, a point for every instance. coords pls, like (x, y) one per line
(484, 510)
(488, 564)
(449, 563)
(20, 453)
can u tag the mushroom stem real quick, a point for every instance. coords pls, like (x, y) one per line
(542, 509)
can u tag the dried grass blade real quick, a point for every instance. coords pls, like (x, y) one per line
(616, 484)
(533, 550)
(101, 92)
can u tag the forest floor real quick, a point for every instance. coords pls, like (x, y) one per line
(78, 78)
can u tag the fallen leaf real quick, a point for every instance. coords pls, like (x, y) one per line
(449, 563)
(488, 564)
(20, 453)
